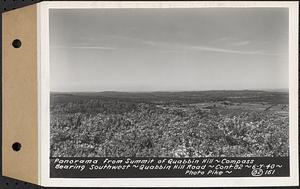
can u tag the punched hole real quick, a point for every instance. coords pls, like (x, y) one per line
(16, 43)
(16, 146)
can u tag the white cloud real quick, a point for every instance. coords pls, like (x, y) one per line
(221, 50)
(182, 47)
(231, 41)
(176, 47)
(241, 43)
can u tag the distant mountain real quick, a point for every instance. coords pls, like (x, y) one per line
(167, 92)
(277, 90)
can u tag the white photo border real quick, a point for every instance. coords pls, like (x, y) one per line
(44, 98)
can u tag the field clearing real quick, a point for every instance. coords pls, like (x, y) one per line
(170, 124)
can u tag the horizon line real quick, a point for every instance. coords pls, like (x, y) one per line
(151, 91)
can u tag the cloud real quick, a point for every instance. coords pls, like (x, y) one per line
(217, 50)
(241, 43)
(221, 50)
(178, 47)
(231, 41)
(175, 47)
(85, 47)
(225, 39)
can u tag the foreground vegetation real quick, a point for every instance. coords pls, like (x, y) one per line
(165, 124)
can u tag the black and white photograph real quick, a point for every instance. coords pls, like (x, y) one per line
(169, 94)
(175, 83)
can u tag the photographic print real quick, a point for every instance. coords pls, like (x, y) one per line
(144, 93)
(177, 83)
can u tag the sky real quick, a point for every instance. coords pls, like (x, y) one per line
(188, 49)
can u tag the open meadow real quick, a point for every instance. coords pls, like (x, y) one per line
(170, 124)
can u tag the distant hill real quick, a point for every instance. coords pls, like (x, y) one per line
(274, 97)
